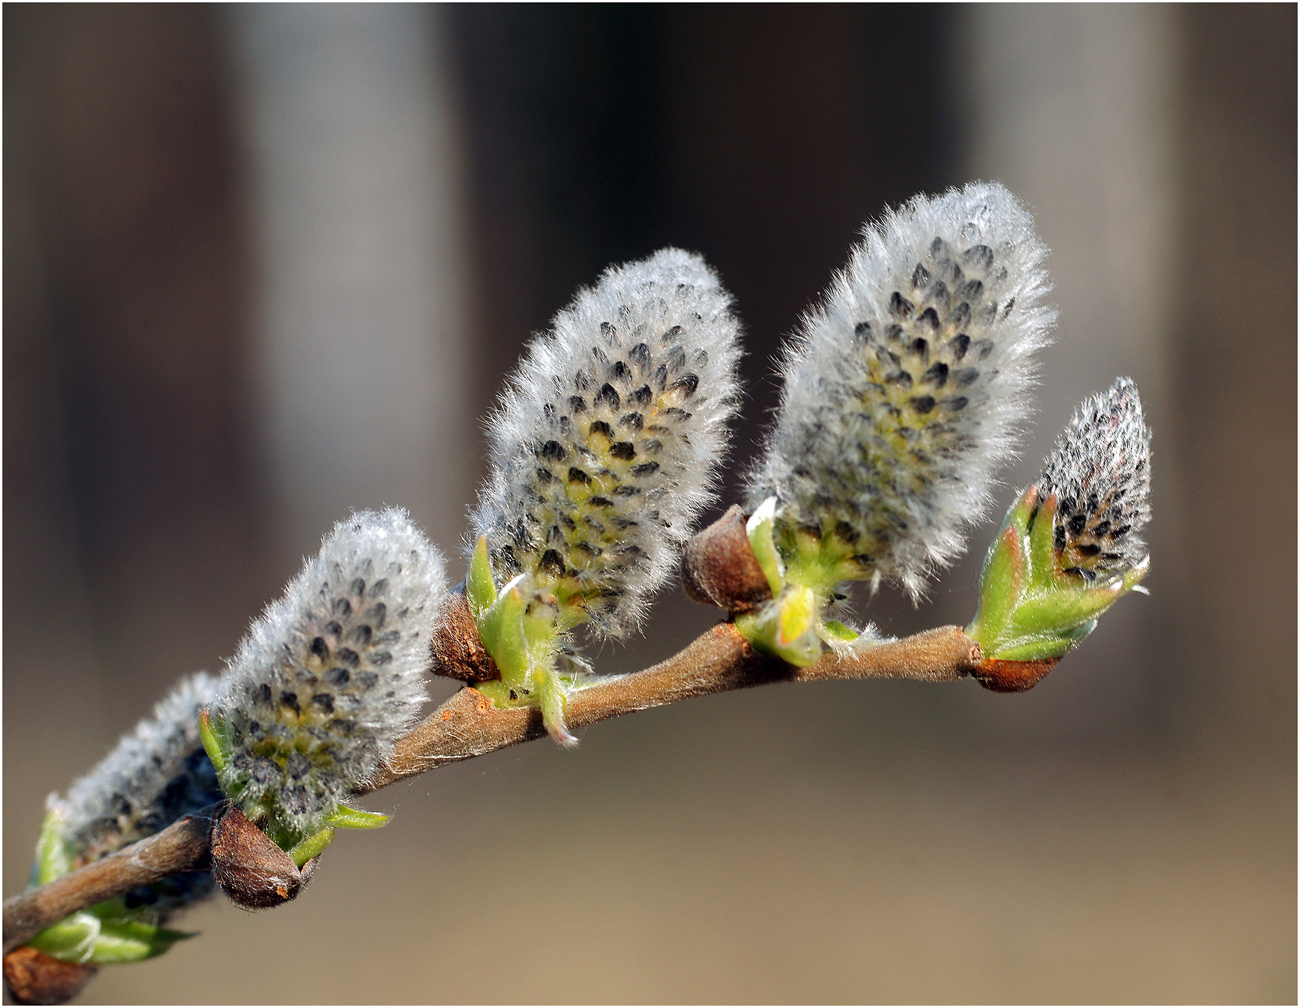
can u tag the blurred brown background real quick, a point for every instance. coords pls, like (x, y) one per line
(267, 264)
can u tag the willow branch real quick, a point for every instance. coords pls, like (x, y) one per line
(183, 846)
(717, 661)
(467, 725)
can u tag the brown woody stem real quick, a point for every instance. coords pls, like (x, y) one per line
(717, 661)
(183, 846)
(467, 725)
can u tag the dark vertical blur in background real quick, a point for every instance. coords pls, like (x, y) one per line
(267, 264)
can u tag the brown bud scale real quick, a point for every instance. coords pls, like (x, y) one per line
(39, 979)
(458, 651)
(1012, 676)
(719, 567)
(248, 865)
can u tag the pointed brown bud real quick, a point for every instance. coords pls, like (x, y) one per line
(458, 651)
(38, 979)
(719, 567)
(249, 867)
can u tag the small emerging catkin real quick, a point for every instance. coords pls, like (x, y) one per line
(1100, 472)
(905, 386)
(331, 673)
(156, 774)
(605, 443)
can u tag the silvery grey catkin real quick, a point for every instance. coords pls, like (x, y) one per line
(1100, 471)
(905, 386)
(153, 776)
(605, 443)
(331, 673)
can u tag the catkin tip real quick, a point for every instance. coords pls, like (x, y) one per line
(1100, 472)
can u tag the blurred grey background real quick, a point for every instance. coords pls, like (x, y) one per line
(267, 264)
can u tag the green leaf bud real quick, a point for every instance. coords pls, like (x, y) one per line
(1070, 546)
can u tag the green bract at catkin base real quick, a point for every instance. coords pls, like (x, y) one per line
(154, 775)
(524, 627)
(326, 681)
(904, 391)
(1071, 545)
(802, 576)
(604, 449)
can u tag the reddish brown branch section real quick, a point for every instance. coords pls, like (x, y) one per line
(467, 725)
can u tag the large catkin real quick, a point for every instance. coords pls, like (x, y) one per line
(331, 673)
(906, 386)
(606, 442)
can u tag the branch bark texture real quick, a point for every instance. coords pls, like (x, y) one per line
(467, 725)
(717, 661)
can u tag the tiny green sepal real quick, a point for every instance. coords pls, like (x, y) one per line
(551, 699)
(1038, 515)
(1066, 608)
(762, 540)
(307, 849)
(834, 630)
(1030, 609)
(72, 939)
(1048, 647)
(791, 636)
(802, 571)
(480, 589)
(215, 738)
(1000, 587)
(347, 817)
(53, 852)
(798, 614)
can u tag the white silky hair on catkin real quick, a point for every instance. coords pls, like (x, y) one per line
(906, 386)
(155, 774)
(331, 673)
(1100, 471)
(606, 442)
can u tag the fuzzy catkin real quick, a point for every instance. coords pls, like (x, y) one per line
(331, 673)
(605, 442)
(905, 386)
(153, 776)
(1100, 471)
